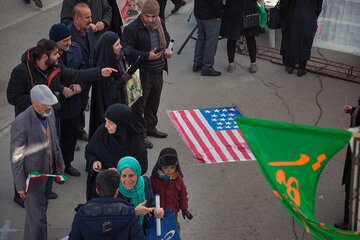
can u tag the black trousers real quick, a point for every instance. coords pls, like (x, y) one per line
(68, 137)
(162, 4)
(251, 45)
(145, 108)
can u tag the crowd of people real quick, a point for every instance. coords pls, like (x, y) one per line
(87, 51)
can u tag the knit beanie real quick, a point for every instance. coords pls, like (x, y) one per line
(151, 7)
(58, 32)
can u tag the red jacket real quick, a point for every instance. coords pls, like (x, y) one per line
(172, 193)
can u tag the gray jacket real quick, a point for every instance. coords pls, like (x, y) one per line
(27, 147)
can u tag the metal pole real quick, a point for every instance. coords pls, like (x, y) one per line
(187, 39)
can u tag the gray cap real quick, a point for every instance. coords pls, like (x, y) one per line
(42, 94)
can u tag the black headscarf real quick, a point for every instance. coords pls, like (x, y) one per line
(110, 91)
(110, 148)
(105, 56)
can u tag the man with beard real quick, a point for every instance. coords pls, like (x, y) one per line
(34, 147)
(39, 66)
(70, 100)
(145, 40)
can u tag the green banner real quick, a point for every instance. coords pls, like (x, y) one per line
(292, 158)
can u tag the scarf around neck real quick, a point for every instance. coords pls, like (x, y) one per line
(156, 25)
(162, 175)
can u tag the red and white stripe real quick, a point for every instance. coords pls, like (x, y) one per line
(207, 145)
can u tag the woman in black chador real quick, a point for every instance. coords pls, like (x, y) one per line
(105, 93)
(299, 24)
(114, 139)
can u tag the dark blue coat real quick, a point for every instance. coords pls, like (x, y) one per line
(71, 107)
(113, 214)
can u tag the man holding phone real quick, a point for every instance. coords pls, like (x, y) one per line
(146, 39)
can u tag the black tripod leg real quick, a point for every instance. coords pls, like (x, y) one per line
(187, 39)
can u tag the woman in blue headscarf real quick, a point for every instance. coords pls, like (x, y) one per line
(136, 189)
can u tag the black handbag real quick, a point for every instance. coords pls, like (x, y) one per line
(274, 18)
(251, 20)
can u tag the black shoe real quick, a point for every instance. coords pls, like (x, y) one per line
(77, 148)
(178, 6)
(147, 143)
(301, 72)
(53, 195)
(19, 201)
(27, 1)
(87, 108)
(156, 133)
(289, 69)
(342, 225)
(196, 68)
(60, 182)
(82, 135)
(38, 3)
(72, 171)
(210, 72)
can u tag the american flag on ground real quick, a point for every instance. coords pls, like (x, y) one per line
(212, 134)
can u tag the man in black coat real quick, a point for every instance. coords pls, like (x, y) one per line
(208, 15)
(107, 217)
(68, 114)
(140, 41)
(83, 34)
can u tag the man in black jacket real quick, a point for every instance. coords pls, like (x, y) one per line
(107, 217)
(39, 66)
(145, 41)
(208, 15)
(68, 114)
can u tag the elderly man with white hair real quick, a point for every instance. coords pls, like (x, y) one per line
(34, 146)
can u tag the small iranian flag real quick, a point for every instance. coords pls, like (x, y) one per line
(32, 176)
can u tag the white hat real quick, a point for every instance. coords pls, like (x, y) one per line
(42, 94)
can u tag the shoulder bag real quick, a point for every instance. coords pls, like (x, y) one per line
(250, 20)
(274, 18)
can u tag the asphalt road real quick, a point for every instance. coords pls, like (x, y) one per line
(229, 200)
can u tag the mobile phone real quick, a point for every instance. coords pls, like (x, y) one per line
(159, 49)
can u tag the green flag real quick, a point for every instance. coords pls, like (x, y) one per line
(292, 158)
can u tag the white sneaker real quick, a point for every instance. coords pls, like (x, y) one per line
(253, 68)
